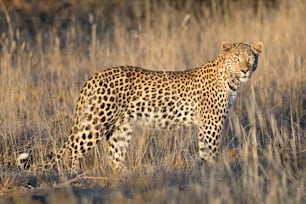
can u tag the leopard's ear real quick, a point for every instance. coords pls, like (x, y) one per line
(227, 46)
(256, 47)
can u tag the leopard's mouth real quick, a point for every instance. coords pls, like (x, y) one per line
(244, 78)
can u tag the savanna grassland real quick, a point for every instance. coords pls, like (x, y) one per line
(48, 51)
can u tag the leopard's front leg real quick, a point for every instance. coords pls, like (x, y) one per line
(208, 141)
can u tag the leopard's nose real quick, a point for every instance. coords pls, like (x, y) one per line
(245, 70)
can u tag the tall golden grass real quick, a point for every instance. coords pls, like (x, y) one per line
(263, 158)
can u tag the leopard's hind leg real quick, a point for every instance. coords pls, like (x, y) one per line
(118, 143)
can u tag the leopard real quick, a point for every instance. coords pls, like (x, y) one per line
(112, 99)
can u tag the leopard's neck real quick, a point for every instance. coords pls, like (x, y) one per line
(233, 84)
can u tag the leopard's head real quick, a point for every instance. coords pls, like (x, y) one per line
(241, 59)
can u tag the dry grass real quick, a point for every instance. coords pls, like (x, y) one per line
(264, 143)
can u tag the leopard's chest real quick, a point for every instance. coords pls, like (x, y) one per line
(230, 100)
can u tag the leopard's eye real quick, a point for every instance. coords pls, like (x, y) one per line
(237, 57)
(251, 60)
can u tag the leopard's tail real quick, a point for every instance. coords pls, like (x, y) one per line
(25, 161)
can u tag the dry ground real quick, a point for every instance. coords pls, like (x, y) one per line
(264, 143)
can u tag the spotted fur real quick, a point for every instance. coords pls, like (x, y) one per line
(112, 99)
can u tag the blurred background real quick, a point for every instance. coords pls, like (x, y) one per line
(49, 48)
(31, 17)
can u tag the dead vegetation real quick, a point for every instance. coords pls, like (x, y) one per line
(264, 142)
